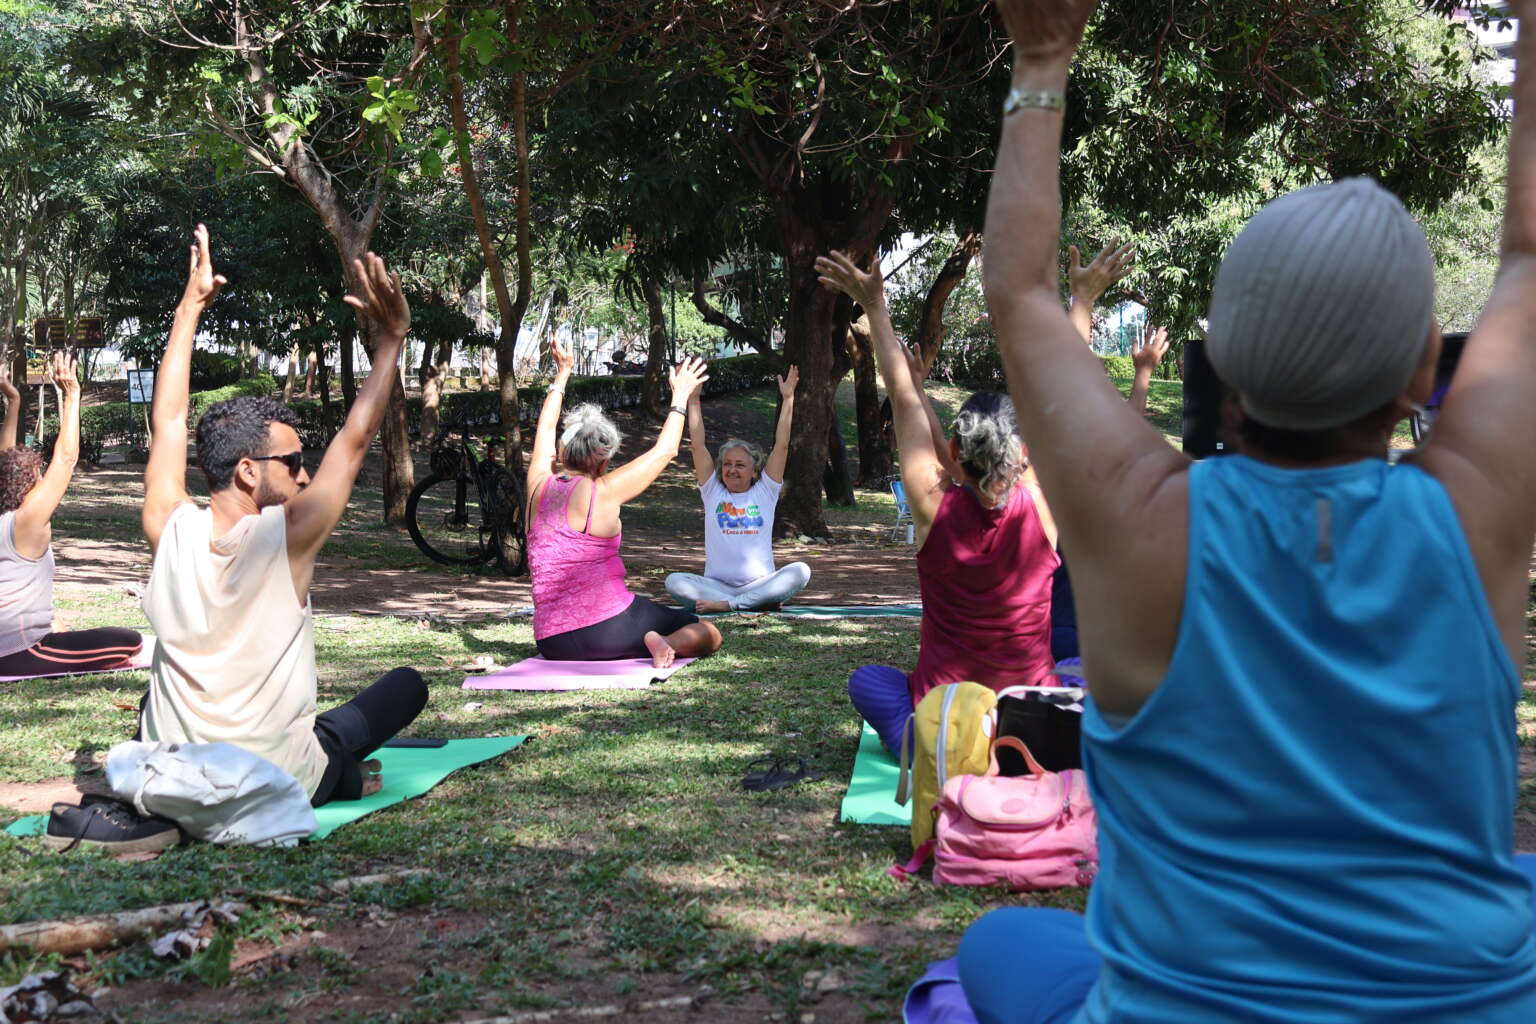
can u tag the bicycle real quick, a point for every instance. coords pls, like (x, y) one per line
(469, 510)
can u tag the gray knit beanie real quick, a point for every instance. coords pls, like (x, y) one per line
(1322, 306)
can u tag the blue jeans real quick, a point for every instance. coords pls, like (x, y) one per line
(1026, 965)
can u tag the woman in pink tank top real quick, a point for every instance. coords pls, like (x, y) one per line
(986, 545)
(582, 609)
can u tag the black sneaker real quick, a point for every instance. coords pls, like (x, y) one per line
(110, 824)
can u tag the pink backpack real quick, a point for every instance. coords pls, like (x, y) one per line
(1036, 831)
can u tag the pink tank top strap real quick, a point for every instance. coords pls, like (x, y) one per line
(591, 503)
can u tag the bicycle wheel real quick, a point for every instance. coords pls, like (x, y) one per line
(446, 520)
(505, 501)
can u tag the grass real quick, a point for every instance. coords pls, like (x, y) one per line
(615, 854)
(619, 840)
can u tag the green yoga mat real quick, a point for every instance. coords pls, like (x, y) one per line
(852, 611)
(871, 796)
(408, 772)
(836, 611)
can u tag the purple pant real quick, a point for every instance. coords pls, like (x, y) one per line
(880, 695)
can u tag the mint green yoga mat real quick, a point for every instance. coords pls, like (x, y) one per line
(838, 611)
(851, 611)
(871, 796)
(408, 772)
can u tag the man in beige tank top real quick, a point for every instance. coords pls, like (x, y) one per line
(228, 596)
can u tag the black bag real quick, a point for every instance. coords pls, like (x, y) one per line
(1050, 731)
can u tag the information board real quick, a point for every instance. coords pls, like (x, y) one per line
(141, 387)
(53, 332)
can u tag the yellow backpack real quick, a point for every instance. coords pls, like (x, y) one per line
(949, 734)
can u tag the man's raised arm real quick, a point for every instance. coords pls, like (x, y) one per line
(165, 477)
(314, 512)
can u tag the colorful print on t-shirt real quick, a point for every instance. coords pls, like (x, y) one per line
(739, 519)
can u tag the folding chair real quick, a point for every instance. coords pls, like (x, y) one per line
(903, 512)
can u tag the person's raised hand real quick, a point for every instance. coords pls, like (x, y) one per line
(1045, 28)
(382, 300)
(787, 383)
(1150, 348)
(1110, 266)
(202, 283)
(686, 378)
(838, 273)
(6, 387)
(61, 371)
(561, 355)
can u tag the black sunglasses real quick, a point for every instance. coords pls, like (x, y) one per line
(293, 460)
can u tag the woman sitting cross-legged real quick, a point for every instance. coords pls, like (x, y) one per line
(28, 498)
(740, 495)
(1301, 742)
(986, 544)
(582, 610)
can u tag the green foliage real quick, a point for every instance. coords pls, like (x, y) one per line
(215, 369)
(121, 423)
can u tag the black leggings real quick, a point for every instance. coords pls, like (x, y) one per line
(620, 636)
(82, 650)
(349, 732)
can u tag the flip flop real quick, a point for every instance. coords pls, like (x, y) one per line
(775, 772)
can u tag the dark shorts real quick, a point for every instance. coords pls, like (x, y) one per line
(622, 636)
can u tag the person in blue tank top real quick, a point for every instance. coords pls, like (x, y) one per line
(1301, 739)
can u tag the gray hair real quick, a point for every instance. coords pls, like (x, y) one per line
(990, 448)
(754, 453)
(588, 438)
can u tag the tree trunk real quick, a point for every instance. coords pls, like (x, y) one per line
(310, 362)
(399, 472)
(293, 373)
(808, 345)
(875, 462)
(930, 326)
(323, 381)
(510, 309)
(838, 478)
(348, 374)
(19, 378)
(656, 349)
(432, 374)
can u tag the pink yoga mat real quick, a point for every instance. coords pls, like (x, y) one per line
(140, 661)
(538, 674)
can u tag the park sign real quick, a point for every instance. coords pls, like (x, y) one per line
(53, 332)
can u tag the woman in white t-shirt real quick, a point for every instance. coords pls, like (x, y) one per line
(740, 495)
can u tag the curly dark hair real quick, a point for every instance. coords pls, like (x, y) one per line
(18, 475)
(236, 429)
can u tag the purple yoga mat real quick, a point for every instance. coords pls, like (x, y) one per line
(140, 661)
(538, 674)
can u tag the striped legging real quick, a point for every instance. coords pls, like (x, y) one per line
(81, 650)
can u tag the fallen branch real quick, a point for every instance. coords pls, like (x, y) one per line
(98, 931)
(590, 1012)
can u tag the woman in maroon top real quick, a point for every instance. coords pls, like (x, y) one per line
(986, 544)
